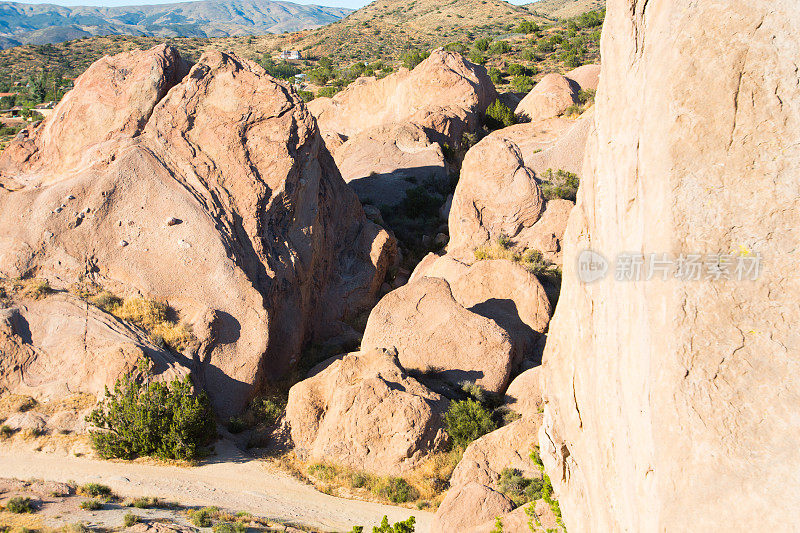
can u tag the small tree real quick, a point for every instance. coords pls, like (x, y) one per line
(482, 44)
(162, 420)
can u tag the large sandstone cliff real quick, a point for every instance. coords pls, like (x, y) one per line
(672, 405)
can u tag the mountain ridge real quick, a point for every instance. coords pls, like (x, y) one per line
(50, 23)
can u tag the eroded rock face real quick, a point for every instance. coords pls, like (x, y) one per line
(227, 201)
(432, 332)
(365, 412)
(549, 98)
(467, 506)
(443, 88)
(678, 397)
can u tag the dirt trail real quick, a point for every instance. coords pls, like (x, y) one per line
(231, 480)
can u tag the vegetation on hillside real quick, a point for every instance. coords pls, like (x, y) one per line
(516, 43)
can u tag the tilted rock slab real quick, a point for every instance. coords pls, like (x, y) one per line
(227, 201)
(365, 412)
(672, 405)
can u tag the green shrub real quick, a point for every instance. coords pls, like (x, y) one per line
(477, 57)
(482, 44)
(307, 96)
(268, 409)
(396, 490)
(327, 92)
(413, 58)
(522, 83)
(495, 75)
(559, 184)
(498, 115)
(498, 525)
(456, 47)
(500, 47)
(399, 527)
(5, 431)
(20, 505)
(91, 505)
(229, 527)
(96, 490)
(518, 488)
(202, 517)
(586, 95)
(129, 519)
(358, 480)
(162, 420)
(466, 421)
(148, 502)
(527, 26)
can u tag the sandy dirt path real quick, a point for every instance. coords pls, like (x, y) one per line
(231, 480)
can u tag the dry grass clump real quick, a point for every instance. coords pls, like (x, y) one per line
(423, 487)
(34, 288)
(503, 248)
(150, 315)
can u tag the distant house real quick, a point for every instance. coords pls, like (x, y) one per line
(290, 55)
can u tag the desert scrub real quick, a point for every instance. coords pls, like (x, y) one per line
(129, 519)
(5, 432)
(91, 505)
(96, 490)
(396, 490)
(203, 517)
(19, 505)
(559, 184)
(518, 488)
(531, 260)
(229, 527)
(167, 421)
(466, 421)
(150, 502)
(546, 491)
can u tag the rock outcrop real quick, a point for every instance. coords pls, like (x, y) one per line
(444, 85)
(671, 405)
(60, 345)
(549, 98)
(467, 506)
(383, 162)
(586, 76)
(216, 195)
(364, 411)
(387, 135)
(432, 332)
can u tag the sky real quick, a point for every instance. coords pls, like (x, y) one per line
(353, 4)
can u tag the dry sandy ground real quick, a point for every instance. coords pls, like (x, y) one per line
(230, 480)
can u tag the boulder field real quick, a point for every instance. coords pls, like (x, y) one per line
(209, 188)
(671, 405)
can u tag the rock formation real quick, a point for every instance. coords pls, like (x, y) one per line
(386, 134)
(671, 405)
(212, 191)
(586, 76)
(432, 332)
(469, 505)
(549, 98)
(364, 411)
(61, 345)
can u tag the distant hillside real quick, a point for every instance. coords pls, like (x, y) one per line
(47, 23)
(379, 35)
(385, 26)
(560, 9)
